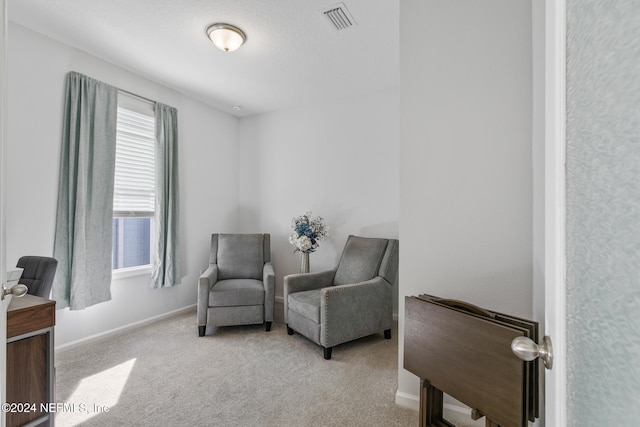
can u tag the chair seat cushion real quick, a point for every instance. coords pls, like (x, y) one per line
(306, 304)
(236, 292)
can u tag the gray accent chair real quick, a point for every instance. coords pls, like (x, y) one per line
(238, 288)
(349, 302)
(37, 274)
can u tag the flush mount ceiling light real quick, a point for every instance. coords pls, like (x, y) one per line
(226, 37)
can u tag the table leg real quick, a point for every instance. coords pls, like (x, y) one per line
(431, 406)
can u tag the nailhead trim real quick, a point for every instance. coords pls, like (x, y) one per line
(326, 299)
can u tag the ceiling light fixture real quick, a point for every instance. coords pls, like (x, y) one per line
(226, 37)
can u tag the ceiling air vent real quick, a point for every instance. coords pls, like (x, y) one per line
(339, 16)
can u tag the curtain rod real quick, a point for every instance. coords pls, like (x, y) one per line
(137, 96)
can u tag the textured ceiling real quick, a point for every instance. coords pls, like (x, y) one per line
(293, 55)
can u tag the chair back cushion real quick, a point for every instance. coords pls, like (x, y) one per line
(360, 260)
(240, 256)
(38, 274)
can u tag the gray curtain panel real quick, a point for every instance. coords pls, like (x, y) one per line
(83, 239)
(166, 260)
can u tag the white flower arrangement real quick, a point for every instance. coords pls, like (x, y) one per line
(307, 232)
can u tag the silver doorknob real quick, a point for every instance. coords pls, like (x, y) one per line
(528, 350)
(16, 290)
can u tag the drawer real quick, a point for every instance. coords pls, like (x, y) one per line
(28, 314)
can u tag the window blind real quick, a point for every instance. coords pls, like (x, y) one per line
(134, 181)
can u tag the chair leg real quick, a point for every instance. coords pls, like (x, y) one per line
(201, 330)
(289, 330)
(267, 326)
(387, 334)
(327, 352)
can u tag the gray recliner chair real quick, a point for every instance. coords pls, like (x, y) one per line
(349, 302)
(238, 288)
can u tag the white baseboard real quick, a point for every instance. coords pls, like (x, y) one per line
(407, 400)
(123, 329)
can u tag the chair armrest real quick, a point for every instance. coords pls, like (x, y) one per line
(355, 310)
(205, 283)
(305, 282)
(269, 282)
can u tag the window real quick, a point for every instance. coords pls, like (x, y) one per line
(134, 184)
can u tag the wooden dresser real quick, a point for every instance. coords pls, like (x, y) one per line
(30, 357)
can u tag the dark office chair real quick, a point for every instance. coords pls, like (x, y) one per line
(37, 274)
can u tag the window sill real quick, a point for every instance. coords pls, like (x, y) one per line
(131, 272)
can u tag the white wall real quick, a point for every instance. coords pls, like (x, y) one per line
(339, 160)
(465, 156)
(208, 176)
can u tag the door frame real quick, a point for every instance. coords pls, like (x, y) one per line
(3, 133)
(555, 209)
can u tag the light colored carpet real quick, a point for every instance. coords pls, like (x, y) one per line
(165, 375)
